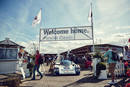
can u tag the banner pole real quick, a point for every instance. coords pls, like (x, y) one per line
(92, 31)
(39, 38)
(40, 29)
(94, 61)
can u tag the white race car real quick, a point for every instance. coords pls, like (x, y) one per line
(66, 67)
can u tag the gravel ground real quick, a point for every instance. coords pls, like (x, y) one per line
(85, 79)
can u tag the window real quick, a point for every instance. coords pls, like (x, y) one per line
(8, 53)
(2, 53)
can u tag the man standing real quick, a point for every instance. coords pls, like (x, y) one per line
(111, 63)
(37, 65)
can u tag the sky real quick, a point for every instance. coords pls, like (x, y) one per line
(110, 17)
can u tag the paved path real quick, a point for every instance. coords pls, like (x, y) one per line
(84, 80)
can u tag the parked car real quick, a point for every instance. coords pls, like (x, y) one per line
(66, 67)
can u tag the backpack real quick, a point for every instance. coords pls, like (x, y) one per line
(40, 60)
(115, 56)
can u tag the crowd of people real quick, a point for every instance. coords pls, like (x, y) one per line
(33, 64)
(48, 60)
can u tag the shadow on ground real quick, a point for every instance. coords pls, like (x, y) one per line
(51, 75)
(25, 86)
(121, 83)
(91, 79)
(88, 79)
(29, 79)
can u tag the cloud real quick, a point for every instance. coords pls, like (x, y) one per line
(77, 11)
(109, 20)
(111, 7)
(22, 18)
(110, 12)
(68, 13)
(122, 35)
(108, 24)
(122, 27)
(60, 46)
(118, 39)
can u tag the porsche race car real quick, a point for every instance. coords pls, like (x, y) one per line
(66, 67)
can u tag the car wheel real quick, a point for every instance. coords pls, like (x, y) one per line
(77, 73)
(55, 73)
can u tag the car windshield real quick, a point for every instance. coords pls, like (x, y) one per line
(66, 62)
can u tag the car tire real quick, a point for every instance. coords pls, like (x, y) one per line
(55, 73)
(77, 73)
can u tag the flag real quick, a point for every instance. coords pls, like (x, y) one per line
(37, 18)
(90, 15)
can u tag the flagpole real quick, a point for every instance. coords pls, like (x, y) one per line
(39, 38)
(92, 30)
(94, 66)
(40, 29)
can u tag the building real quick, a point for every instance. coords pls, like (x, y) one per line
(8, 56)
(81, 51)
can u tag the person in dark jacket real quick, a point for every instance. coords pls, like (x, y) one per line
(37, 66)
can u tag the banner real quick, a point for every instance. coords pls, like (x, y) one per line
(66, 33)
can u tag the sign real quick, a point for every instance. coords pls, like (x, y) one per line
(66, 33)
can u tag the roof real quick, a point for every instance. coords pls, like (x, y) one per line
(100, 45)
(8, 42)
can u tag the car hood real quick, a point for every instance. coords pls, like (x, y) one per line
(62, 66)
